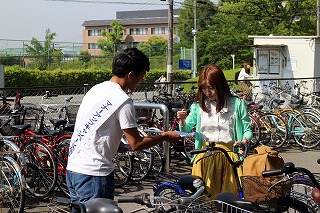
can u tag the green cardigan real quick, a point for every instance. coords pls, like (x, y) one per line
(242, 122)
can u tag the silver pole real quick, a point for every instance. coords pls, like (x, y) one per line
(170, 46)
(194, 32)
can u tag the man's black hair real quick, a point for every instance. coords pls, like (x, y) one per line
(131, 59)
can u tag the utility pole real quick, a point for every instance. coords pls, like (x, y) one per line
(194, 32)
(170, 46)
(318, 19)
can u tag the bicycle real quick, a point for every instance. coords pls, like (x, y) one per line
(56, 140)
(152, 125)
(182, 189)
(135, 165)
(12, 182)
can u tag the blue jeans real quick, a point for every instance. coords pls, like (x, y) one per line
(85, 187)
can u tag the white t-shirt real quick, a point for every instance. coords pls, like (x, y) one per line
(95, 157)
(243, 75)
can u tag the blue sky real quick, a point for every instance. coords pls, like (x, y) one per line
(24, 19)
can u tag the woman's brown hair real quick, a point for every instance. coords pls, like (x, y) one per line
(215, 77)
(245, 66)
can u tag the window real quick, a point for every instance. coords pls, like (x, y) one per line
(139, 31)
(268, 61)
(159, 30)
(93, 46)
(96, 32)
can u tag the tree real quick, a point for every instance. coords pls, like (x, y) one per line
(155, 46)
(42, 53)
(85, 58)
(113, 38)
(232, 21)
(205, 11)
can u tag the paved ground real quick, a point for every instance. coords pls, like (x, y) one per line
(306, 159)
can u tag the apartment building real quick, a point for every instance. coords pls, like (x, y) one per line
(139, 27)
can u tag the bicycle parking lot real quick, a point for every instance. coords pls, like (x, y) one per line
(290, 152)
(307, 159)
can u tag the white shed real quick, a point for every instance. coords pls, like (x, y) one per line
(278, 57)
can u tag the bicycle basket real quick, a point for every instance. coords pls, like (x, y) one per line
(270, 193)
(71, 112)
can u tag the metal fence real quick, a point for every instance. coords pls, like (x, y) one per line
(145, 92)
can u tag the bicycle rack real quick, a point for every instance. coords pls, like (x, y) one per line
(165, 112)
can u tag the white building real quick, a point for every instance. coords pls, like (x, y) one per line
(278, 57)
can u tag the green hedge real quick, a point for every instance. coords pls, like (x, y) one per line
(16, 76)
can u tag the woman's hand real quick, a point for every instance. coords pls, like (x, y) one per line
(241, 144)
(181, 115)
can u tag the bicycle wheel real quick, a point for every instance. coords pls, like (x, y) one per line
(123, 166)
(158, 161)
(274, 131)
(61, 153)
(256, 132)
(142, 164)
(16, 154)
(302, 188)
(12, 192)
(305, 130)
(188, 146)
(299, 207)
(42, 171)
(168, 192)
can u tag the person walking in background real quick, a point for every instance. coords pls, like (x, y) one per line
(161, 87)
(105, 114)
(220, 118)
(244, 81)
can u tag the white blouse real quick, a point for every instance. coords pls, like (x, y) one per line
(218, 127)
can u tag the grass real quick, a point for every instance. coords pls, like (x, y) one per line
(229, 74)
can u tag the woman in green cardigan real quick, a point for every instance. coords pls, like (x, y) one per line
(219, 118)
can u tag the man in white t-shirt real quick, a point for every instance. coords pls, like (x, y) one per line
(105, 114)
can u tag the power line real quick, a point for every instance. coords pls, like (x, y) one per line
(106, 2)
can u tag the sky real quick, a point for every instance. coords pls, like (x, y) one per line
(25, 19)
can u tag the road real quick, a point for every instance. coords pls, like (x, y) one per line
(307, 159)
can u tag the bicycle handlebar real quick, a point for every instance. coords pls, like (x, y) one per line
(143, 199)
(212, 147)
(69, 99)
(290, 168)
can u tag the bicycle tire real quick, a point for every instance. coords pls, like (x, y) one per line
(61, 153)
(298, 206)
(142, 164)
(12, 192)
(123, 166)
(168, 192)
(302, 188)
(158, 161)
(305, 130)
(17, 155)
(256, 132)
(188, 146)
(42, 171)
(274, 131)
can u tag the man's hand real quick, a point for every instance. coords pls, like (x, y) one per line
(171, 136)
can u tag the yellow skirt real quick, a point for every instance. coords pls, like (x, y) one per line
(217, 172)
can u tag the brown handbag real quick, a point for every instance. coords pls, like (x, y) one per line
(263, 159)
(262, 190)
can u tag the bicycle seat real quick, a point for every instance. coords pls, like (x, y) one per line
(20, 128)
(230, 198)
(186, 182)
(279, 101)
(102, 205)
(58, 122)
(142, 120)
